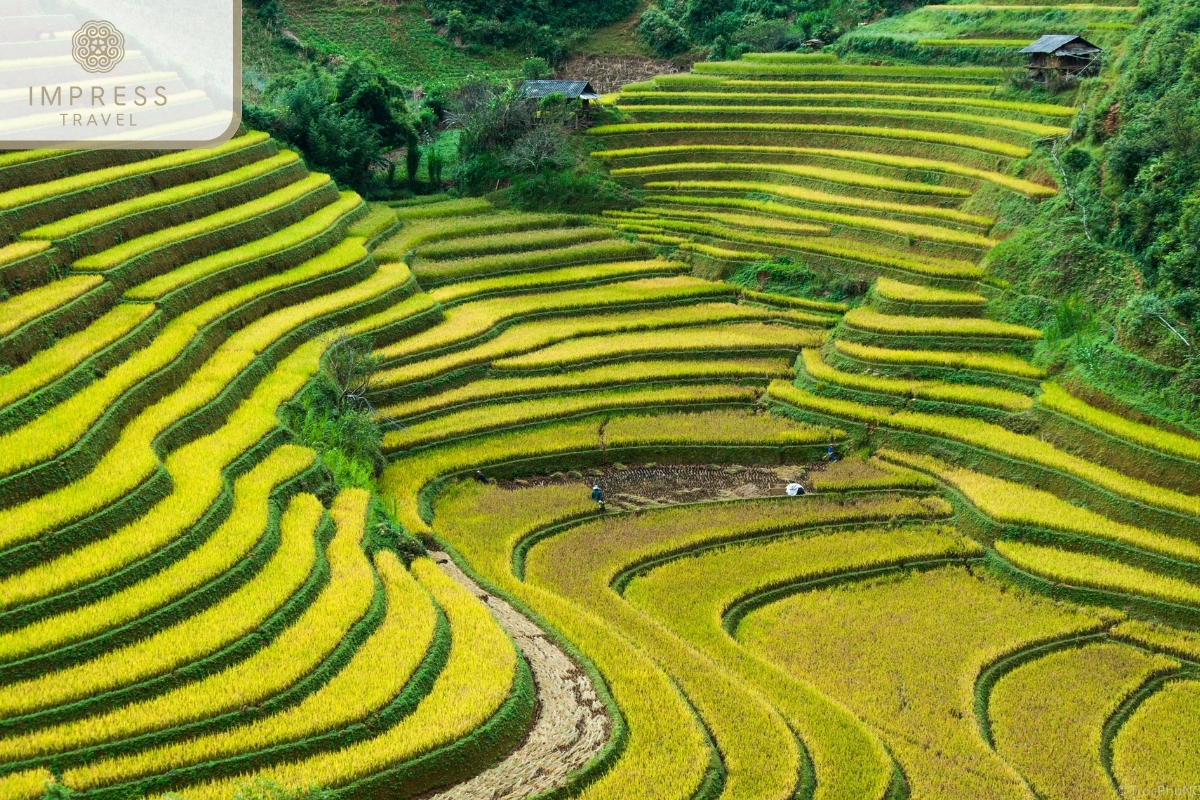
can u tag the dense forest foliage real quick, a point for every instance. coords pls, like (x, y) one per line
(1122, 245)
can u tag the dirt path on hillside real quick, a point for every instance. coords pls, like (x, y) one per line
(570, 724)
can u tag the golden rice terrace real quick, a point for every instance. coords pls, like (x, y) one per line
(991, 590)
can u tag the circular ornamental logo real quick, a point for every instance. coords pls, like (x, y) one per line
(98, 46)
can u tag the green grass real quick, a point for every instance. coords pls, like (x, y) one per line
(980, 143)
(785, 70)
(975, 42)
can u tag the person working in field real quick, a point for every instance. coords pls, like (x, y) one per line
(598, 496)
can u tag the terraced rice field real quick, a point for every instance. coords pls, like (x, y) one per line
(992, 592)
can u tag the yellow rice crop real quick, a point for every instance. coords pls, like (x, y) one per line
(1047, 715)
(605, 250)
(1159, 747)
(749, 221)
(903, 654)
(856, 85)
(510, 242)
(28, 785)
(875, 256)
(906, 134)
(67, 353)
(1160, 637)
(527, 412)
(1045, 109)
(883, 159)
(556, 278)
(425, 231)
(1031, 128)
(932, 233)
(803, 195)
(714, 427)
(472, 320)
(891, 289)
(1012, 503)
(98, 216)
(528, 336)
(59, 428)
(18, 250)
(223, 549)
(477, 678)
(793, 302)
(860, 474)
(634, 372)
(377, 672)
(987, 362)
(666, 753)
(723, 253)
(690, 596)
(745, 336)
(993, 438)
(290, 236)
(1058, 399)
(234, 616)
(871, 320)
(1082, 569)
(847, 177)
(196, 466)
(28, 306)
(462, 207)
(580, 564)
(74, 183)
(923, 390)
(295, 652)
(114, 256)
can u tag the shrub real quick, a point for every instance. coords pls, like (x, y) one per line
(661, 33)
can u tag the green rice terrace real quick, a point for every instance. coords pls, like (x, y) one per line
(990, 591)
